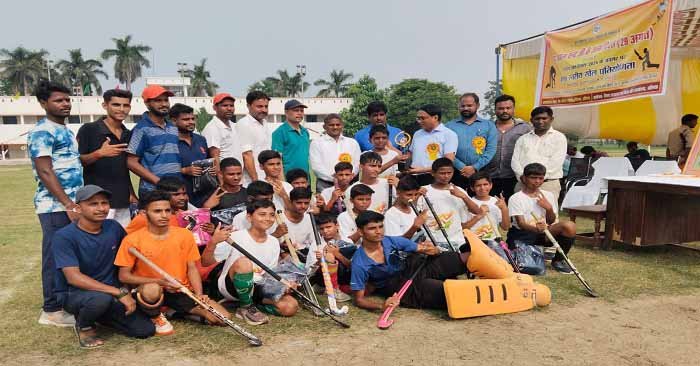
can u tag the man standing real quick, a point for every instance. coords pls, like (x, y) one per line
(376, 113)
(153, 151)
(543, 145)
(330, 149)
(192, 147)
(102, 145)
(477, 140)
(291, 139)
(220, 132)
(680, 140)
(434, 140)
(509, 131)
(254, 135)
(57, 169)
(87, 282)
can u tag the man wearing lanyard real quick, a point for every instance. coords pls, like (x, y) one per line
(376, 113)
(477, 140)
(291, 139)
(434, 140)
(509, 131)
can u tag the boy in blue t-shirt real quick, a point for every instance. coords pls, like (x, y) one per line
(378, 267)
(87, 283)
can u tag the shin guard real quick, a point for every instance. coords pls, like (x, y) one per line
(484, 262)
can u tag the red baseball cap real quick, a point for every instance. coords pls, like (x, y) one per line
(221, 96)
(154, 91)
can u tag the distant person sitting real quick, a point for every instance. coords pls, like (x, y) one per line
(590, 152)
(680, 140)
(634, 152)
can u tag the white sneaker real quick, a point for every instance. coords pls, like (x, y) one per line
(163, 326)
(57, 318)
(341, 296)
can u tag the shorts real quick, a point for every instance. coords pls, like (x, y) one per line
(213, 291)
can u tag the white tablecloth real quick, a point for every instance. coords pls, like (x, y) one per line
(588, 194)
(677, 179)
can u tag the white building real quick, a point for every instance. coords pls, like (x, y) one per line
(19, 114)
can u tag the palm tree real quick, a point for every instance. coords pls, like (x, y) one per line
(288, 85)
(22, 68)
(129, 59)
(81, 73)
(336, 86)
(200, 85)
(268, 86)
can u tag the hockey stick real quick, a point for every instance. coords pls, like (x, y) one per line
(330, 291)
(384, 322)
(549, 235)
(295, 259)
(252, 339)
(285, 282)
(503, 244)
(439, 223)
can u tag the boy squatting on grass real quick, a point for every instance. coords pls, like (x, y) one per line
(360, 199)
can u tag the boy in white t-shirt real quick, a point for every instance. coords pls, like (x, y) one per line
(271, 163)
(241, 279)
(400, 220)
(360, 199)
(257, 190)
(301, 233)
(298, 178)
(336, 196)
(532, 200)
(370, 165)
(379, 137)
(481, 185)
(451, 203)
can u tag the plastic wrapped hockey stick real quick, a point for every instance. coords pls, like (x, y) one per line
(252, 339)
(330, 291)
(285, 282)
(503, 244)
(585, 284)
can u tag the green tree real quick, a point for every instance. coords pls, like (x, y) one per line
(200, 85)
(336, 86)
(203, 117)
(129, 60)
(268, 86)
(488, 103)
(364, 91)
(404, 99)
(78, 72)
(22, 68)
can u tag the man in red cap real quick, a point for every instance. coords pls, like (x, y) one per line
(153, 148)
(220, 132)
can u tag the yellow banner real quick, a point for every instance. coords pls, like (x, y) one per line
(618, 56)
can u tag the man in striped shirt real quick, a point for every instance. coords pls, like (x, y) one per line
(153, 149)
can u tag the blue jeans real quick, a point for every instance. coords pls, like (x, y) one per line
(90, 307)
(50, 223)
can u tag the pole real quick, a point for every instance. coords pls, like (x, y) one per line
(498, 71)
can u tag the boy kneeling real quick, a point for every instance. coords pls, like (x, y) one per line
(532, 200)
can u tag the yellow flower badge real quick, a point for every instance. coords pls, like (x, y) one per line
(345, 158)
(479, 143)
(433, 149)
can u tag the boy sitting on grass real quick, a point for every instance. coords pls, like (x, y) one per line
(400, 220)
(360, 198)
(532, 200)
(299, 179)
(370, 165)
(335, 197)
(479, 223)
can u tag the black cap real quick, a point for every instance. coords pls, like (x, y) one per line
(90, 190)
(293, 103)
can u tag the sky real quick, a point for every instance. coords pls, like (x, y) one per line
(439, 40)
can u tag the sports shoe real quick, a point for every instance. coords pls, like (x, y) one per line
(57, 318)
(562, 267)
(163, 326)
(341, 296)
(251, 315)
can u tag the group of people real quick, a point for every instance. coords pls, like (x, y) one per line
(484, 176)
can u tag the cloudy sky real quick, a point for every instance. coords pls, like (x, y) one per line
(244, 41)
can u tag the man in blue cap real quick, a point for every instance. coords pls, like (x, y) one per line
(291, 139)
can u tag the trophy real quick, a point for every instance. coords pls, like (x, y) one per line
(403, 139)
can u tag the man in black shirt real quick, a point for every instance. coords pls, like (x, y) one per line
(230, 198)
(102, 145)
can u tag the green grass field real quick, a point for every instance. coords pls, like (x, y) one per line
(620, 274)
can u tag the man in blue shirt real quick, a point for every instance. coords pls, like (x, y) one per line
(57, 169)
(478, 139)
(376, 113)
(379, 267)
(87, 283)
(153, 151)
(192, 147)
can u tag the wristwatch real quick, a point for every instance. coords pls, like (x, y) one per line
(123, 291)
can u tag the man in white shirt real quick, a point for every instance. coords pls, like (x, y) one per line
(254, 135)
(331, 148)
(220, 132)
(543, 145)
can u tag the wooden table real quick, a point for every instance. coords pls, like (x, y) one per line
(652, 211)
(594, 212)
